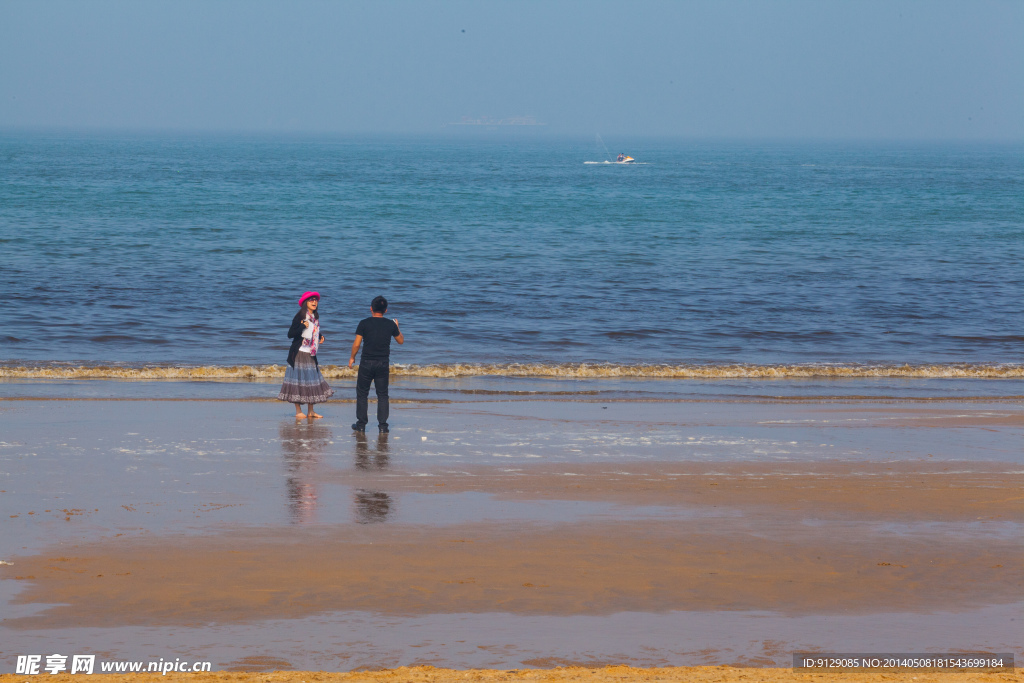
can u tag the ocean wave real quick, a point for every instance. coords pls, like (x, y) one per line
(535, 370)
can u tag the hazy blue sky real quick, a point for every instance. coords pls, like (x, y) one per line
(888, 69)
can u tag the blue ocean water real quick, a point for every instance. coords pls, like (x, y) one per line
(192, 250)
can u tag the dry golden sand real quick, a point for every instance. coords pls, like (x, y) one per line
(608, 674)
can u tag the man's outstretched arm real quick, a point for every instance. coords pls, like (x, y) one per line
(398, 337)
(355, 349)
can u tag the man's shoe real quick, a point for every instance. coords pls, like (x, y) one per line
(356, 427)
(383, 429)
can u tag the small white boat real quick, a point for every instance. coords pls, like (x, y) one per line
(623, 159)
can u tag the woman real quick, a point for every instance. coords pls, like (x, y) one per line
(303, 382)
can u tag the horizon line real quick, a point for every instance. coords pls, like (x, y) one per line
(482, 132)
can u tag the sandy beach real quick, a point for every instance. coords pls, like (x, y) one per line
(674, 532)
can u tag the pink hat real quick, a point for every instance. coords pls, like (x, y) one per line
(307, 295)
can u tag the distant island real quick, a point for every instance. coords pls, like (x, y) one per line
(487, 121)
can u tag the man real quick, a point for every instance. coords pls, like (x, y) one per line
(375, 334)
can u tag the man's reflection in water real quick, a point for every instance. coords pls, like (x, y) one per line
(303, 445)
(377, 459)
(372, 506)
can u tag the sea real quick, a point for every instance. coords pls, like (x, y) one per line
(524, 255)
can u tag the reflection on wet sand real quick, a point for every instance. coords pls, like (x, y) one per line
(377, 459)
(303, 445)
(372, 506)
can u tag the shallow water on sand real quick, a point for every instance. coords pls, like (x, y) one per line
(193, 463)
(354, 640)
(470, 388)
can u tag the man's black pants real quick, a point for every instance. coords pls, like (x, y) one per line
(376, 371)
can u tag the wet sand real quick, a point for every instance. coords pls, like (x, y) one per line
(745, 537)
(728, 534)
(570, 569)
(863, 491)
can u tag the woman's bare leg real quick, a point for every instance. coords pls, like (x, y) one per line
(298, 411)
(311, 412)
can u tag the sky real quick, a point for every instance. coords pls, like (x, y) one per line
(816, 69)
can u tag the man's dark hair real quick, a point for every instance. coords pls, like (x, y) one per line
(379, 304)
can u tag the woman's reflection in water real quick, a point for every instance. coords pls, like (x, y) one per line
(372, 506)
(303, 445)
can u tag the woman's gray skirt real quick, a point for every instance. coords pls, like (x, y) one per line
(304, 383)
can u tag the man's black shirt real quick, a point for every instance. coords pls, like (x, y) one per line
(376, 334)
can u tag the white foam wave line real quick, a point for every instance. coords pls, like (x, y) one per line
(537, 370)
